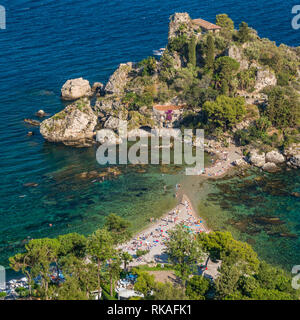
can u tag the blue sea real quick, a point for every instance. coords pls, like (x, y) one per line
(47, 42)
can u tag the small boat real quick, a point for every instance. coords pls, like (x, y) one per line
(159, 52)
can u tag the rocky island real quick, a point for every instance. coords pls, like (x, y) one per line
(241, 89)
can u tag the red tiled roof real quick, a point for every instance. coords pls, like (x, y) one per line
(166, 108)
(205, 24)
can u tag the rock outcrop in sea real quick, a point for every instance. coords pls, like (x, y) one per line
(134, 92)
(73, 126)
(75, 89)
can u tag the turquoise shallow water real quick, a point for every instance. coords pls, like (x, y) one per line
(258, 208)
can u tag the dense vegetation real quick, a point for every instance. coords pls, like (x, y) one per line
(200, 73)
(93, 265)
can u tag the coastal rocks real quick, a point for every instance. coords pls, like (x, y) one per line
(76, 88)
(264, 78)
(275, 157)
(178, 21)
(98, 89)
(168, 132)
(138, 133)
(292, 154)
(239, 162)
(41, 113)
(107, 136)
(294, 161)
(257, 159)
(32, 122)
(295, 194)
(270, 167)
(108, 104)
(112, 123)
(119, 79)
(292, 150)
(72, 126)
(235, 53)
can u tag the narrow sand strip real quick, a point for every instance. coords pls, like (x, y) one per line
(153, 237)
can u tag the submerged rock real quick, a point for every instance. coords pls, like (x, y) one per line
(73, 126)
(32, 122)
(30, 184)
(270, 167)
(76, 88)
(41, 113)
(295, 161)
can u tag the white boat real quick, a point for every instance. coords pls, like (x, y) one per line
(159, 52)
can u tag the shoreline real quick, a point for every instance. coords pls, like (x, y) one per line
(152, 238)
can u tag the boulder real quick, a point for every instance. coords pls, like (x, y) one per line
(239, 162)
(292, 150)
(40, 113)
(112, 123)
(72, 126)
(275, 157)
(295, 161)
(257, 159)
(119, 79)
(76, 88)
(107, 136)
(98, 89)
(265, 78)
(270, 167)
(32, 122)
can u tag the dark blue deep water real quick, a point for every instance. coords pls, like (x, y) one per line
(47, 42)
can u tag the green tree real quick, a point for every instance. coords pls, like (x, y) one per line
(70, 290)
(283, 108)
(145, 283)
(167, 291)
(82, 272)
(224, 21)
(118, 227)
(197, 287)
(114, 269)
(225, 70)
(149, 66)
(226, 24)
(224, 112)
(243, 35)
(72, 243)
(100, 248)
(222, 246)
(40, 254)
(23, 262)
(126, 257)
(192, 51)
(183, 252)
(210, 53)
